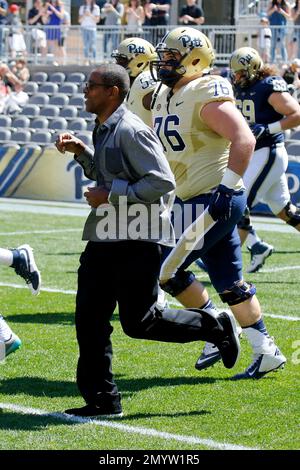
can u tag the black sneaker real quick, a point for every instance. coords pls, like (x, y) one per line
(109, 408)
(229, 345)
(25, 266)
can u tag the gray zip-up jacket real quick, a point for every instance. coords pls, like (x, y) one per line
(129, 162)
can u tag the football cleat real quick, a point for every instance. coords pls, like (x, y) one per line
(25, 266)
(260, 251)
(229, 345)
(9, 341)
(209, 356)
(262, 364)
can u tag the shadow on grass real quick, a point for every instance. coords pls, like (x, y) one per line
(61, 318)
(39, 387)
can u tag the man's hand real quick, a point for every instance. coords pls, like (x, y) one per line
(69, 143)
(259, 130)
(220, 203)
(96, 196)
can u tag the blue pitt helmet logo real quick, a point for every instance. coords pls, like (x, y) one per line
(135, 49)
(188, 41)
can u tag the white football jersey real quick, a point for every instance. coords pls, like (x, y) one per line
(142, 86)
(197, 155)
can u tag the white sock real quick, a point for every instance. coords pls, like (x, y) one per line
(5, 331)
(161, 299)
(261, 343)
(6, 257)
(252, 238)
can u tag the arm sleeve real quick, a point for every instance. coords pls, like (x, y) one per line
(85, 159)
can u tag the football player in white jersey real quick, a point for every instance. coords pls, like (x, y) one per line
(264, 100)
(208, 145)
(22, 260)
(134, 54)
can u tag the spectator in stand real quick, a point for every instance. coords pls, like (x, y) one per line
(89, 15)
(264, 41)
(3, 13)
(55, 14)
(279, 11)
(16, 37)
(158, 15)
(191, 14)
(134, 17)
(12, 96)
(294, 45)
(37, 17)
(113, 12)
(20, 70)
(292, 77)
(66, 23)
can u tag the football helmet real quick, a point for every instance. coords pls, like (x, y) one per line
(247, 62)
(185, 52)
(134, 54)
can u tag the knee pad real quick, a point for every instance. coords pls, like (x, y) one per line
(238, 293)
(294, 218)
(244, 223)
(178, 283)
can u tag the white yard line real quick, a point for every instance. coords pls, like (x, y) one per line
(172, 301)
(31, 232)
(148, 432)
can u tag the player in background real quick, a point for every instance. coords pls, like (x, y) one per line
(134, 54)
(22, 260)
(265, 102)
(208, 145)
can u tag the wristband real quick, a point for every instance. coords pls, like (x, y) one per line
(275, 127)
(232, 180)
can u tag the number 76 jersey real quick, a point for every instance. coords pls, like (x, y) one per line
(197, 155)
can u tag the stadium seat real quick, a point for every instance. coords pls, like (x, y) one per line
(78, 101)
(86, 115)
(39, 98)
(39, 123)
(76, 77)
(49, 88)
(60, 99)
(20, 136)
(5, 121)
(68, 88)
(58, 124)
(294, 149)
(78, 124)
(39, 77)
(86, 137)
(41, 137)
(50, 111)
(69, 112)
(31, 88)
(57, 77)
(30, 110)
(11, 145)
(90, 126)
(295, 135)
(5, 135)
(21, 122)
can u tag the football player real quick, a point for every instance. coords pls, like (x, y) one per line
(22, 260)
(209, 145)
(265, 102)
(134, 54)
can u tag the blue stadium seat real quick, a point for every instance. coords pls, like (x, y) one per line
(49, 111)
(69, 112)
(78, 124)
(76, 77)
(39, 77)
(39, 98)
(20, 136)
(78, 101)
(57, 77)
(68, 88)
(5, 121)
(41, 137)
(58, 124)
(21, 122)
(49, 88)
(294, 149)
(5, 135)
(39, 123)
(86, 115)
(31, 110)
(60, 99)
(86, 137)
(31, 88)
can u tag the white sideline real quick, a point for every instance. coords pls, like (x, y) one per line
(148, 432)
(172, 302)
(30, 232)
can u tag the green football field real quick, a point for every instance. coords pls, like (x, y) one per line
(167, 403)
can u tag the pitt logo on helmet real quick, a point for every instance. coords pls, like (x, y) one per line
(187, 41)
(245, 60)
(135, 49)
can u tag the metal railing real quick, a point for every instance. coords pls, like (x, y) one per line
(253, 7)
(224, 39)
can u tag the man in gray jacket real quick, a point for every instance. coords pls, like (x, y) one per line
(128, 227)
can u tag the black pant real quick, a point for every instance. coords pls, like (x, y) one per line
(126, 273)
